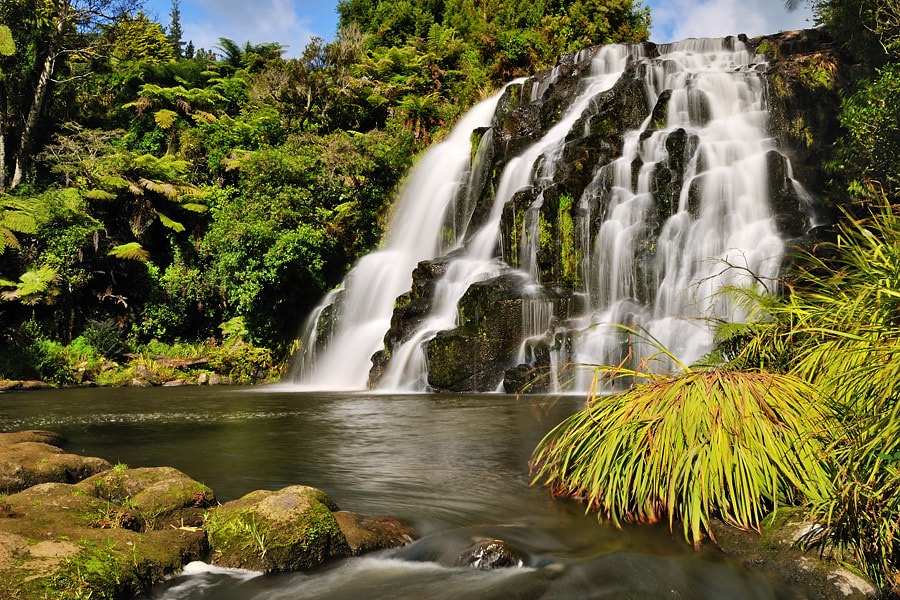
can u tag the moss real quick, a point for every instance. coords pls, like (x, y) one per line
(266, 532)
(816, 75)
(570, 256)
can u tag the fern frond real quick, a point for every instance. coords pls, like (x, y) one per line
(130, 251)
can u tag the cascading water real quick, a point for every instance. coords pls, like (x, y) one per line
(721, 234)
(658, 233)
(361, 308)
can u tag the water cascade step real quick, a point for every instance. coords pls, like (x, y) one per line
(630, 185)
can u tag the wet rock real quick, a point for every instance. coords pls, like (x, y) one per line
(490, 554)
(35, 385)
(410, 309)
(791, 213)
(120, 531)
(9, 384)
(475, 355)
(146, 374)
(364, 534)
(777, 551)
(807, 71)
(61, 542)
(33, 457)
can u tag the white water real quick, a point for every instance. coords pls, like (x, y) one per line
(728, 239)
(366, 297)
(721, 234)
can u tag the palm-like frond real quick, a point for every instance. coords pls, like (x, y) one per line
(16, 216)
(34, 286)
(130, 251)
(165, 118)
(702, 444)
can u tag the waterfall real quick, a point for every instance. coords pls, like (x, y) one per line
(361, 308)
(680, 215)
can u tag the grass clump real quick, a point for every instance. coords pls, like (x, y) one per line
(690, 447)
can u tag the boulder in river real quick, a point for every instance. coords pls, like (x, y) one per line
(298, 527)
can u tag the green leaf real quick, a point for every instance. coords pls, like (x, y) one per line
(7, 44)
(99, 195)
(173, 225)
(130, 251)
(165, 118)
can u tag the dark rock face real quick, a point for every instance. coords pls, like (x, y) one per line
(807, 71)
(411, 308)
(474, 356)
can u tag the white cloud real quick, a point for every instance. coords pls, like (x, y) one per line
(259, 21)
(678, 19)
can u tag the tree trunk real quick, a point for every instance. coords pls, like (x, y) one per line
(40, 93)
(2, 158)
(3, 112)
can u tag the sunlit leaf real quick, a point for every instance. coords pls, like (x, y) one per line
(130, 251)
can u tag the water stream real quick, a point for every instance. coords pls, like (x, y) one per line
(455, 467)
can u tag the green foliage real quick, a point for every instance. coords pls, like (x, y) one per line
(837, 328)
(698, 445)
(103, 338)
(870, 153)
(138, 39)
(17, 215)
(7, 43)
(510, 38)
(35, 286)
(869, 28)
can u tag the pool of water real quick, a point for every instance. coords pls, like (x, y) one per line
(453, 466)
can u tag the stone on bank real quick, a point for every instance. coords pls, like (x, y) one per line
(77, 527)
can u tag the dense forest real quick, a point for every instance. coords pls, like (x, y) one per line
(157, 195)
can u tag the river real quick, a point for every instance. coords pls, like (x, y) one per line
(453, 466)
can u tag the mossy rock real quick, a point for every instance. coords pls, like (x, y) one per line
(779, 549)
(33, 457)
(56, 541)
(161, 496)
(287, 530)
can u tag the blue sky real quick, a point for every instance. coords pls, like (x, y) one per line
(294, 22)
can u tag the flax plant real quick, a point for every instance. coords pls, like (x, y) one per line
(688, 448)
(839, 329)
(851, 353)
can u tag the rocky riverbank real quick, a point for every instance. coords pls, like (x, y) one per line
(150, 371)
(76, 527)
